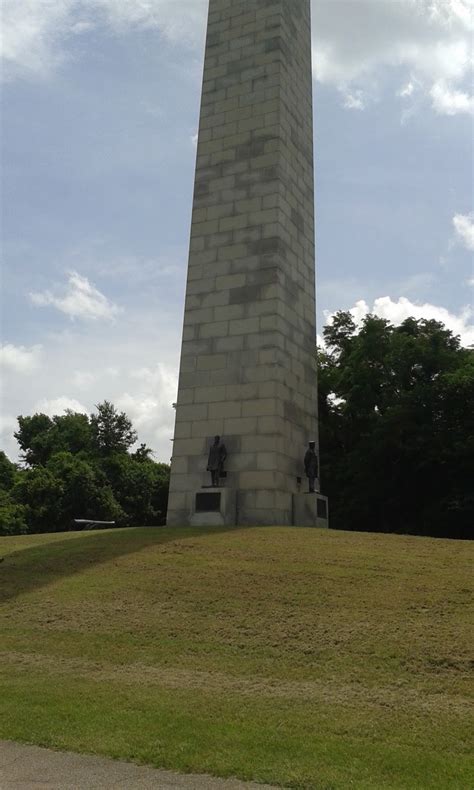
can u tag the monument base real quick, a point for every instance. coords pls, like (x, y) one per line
(310, 510)
(214, 507)
(228, 507)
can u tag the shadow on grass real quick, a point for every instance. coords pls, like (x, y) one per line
(34, 567)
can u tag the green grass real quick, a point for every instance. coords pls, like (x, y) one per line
(300, 657)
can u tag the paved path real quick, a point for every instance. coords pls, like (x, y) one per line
(31, 768)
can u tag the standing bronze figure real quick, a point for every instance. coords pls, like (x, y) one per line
(215, 462)
(311, 466)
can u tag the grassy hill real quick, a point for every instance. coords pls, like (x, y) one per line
(308, 658)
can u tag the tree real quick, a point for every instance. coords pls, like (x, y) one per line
(142, 453)
(160, 491)
(86, 492)
(12, 516)
(8, 472)
(40, 492)
(396, 426)
(40, 436)
(112, 431)
(81, 467)
(140, 486)
(73, 433)
(35, 437)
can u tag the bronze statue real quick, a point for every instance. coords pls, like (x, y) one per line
(215, 462)
(311, 466)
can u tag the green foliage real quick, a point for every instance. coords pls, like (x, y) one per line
(112, 431)
(40, 436)
(141, 487)
(159, 497)
(41, 494)
(397, 427)
(87, 493)
(7, 472)
(12, 516)
(80, 467)
(142, 453)
(35, 437)
(73, 433)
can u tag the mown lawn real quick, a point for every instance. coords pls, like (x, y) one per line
(300, 657)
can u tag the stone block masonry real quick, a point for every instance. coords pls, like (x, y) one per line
(248, 370)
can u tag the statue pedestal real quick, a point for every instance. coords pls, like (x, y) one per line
(214, 507)
(310, 510)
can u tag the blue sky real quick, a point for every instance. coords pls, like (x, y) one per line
(100, 103)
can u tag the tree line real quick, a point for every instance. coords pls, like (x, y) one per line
(396, 408)
(396, 415)
(80, 466)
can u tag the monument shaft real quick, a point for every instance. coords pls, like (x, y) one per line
(248, 369)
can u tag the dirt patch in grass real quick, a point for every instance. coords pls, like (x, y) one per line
(354, 695)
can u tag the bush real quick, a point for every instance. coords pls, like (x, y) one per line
(12, 516)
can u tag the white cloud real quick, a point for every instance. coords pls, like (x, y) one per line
(354, 40)
(149, 406)
(176, 20)
(59, 406)
(464, 227)
(33, 32)
(19, 358)
(8, 425)
(81, 300)
(82, 366)
(354, 100)
(83, 380)
(451, 102)
(397, 311)
(38, 35)
(406, 90)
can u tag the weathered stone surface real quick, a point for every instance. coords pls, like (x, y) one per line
(310, 510)
(224, 515)
(248, 365)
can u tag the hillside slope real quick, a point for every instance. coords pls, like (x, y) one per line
(308, 658)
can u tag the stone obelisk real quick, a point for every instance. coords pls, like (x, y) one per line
(248, 369)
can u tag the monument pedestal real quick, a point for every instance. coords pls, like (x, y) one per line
(310, 510)
(217, 507)
(214, 507)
